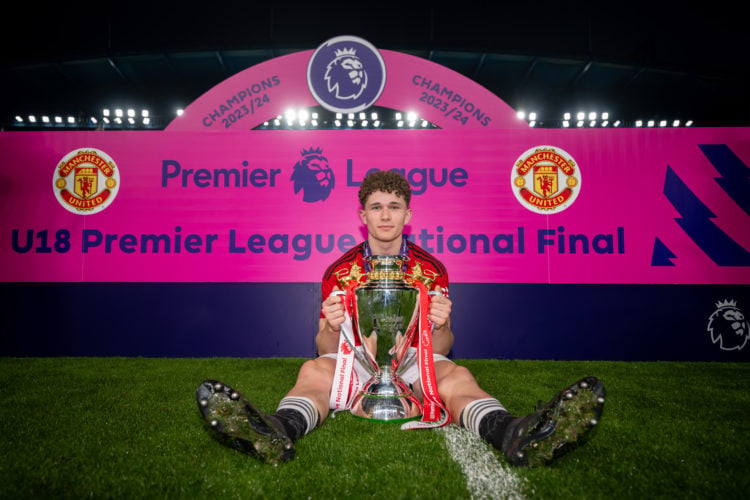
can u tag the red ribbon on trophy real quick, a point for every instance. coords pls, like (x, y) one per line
(434, 412)
(341, 392)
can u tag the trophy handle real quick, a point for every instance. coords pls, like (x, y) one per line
(348, 333)
(402, 367)
(433, 293)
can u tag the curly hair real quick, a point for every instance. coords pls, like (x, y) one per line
(386, 181)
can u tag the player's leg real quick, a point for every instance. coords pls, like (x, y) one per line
(457, 386)
(306, 405)
(531, 440)
(237, 423)
(469, 405)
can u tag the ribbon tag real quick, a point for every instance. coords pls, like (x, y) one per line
(345, 377)
(434, 412)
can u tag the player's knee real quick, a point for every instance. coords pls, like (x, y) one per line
(318, 369)
(455, 375)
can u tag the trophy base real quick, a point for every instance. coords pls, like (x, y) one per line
(386, 399)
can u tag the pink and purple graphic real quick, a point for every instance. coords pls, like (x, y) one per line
(658, 206)
(496, 201)
(212, 236)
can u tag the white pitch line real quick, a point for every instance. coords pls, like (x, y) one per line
(485, 476)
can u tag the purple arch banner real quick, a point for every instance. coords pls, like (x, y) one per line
(267, 90)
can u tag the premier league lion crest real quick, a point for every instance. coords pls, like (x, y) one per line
(313, 176)
(346, 74)
(728, 326)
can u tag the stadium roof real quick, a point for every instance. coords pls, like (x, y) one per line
(632, 60)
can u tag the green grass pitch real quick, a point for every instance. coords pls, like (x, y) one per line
(129, 427)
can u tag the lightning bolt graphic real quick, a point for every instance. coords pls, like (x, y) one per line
(696, 223)
(735, 175)
(662, 256)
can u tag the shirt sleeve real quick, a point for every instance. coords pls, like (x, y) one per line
(326, 287)
(442, 282)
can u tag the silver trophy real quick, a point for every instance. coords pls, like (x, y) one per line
(386, 325)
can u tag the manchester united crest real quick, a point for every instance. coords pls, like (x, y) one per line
(86, 181)
(546, 179)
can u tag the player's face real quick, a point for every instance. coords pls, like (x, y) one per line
(385, 215)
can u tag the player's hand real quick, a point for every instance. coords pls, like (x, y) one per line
(333, 310)
(440, 309)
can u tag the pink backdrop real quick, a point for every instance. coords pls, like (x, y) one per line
(622, 171)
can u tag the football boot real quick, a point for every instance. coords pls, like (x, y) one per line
(555, 428)
(236, 422)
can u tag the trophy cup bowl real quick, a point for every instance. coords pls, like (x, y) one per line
(386, 317)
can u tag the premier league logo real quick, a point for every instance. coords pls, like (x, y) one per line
(728, 326)
(313, 176)
(346, 74)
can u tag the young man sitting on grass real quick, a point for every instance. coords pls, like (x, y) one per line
(534, 439)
